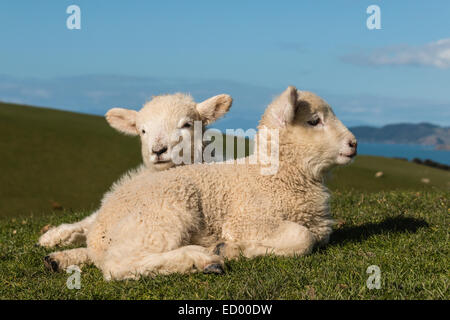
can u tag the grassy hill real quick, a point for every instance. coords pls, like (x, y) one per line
(396, 222)
(50, 155)
(397, 175)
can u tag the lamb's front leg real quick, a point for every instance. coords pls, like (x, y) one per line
(288, 239)
(60, 260)
(186, 259)
(66, 234)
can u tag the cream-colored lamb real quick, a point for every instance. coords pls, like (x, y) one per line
(188, 218)
(159, 124)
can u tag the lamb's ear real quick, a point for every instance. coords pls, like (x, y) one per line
(123, 120)
(213, 108)
(282, 110)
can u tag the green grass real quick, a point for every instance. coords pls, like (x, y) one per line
(396, 222)
(405, 233)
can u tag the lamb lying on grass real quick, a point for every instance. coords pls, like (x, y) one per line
(158, 124)
(189, 218)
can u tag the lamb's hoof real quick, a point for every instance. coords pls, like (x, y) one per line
(51, 264)
(219, 248)
(214, 268)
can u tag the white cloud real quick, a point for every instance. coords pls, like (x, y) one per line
(434, 54)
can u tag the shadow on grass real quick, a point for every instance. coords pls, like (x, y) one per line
(389, 225)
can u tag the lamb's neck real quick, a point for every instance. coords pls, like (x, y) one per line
(296, 178)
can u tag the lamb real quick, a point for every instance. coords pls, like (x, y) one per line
(191, 218)
(159, 124)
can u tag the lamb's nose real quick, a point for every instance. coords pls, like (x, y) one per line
(353, 144)
(159, 150)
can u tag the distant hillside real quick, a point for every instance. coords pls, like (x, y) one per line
(406, 133)
(53, 158)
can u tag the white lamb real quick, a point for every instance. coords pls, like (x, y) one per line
(188, 218)
(159, 124)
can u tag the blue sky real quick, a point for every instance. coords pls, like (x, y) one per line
(127, 51)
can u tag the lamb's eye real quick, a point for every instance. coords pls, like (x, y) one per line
(143, 131)
(186, 125)
(314, 122)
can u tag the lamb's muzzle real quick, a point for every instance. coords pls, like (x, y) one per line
(353, 146)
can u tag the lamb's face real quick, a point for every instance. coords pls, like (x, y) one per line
(317, 131)
(309, 130)
(166, 121)
(161, 123)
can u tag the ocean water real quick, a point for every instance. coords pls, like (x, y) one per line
(408, 151)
